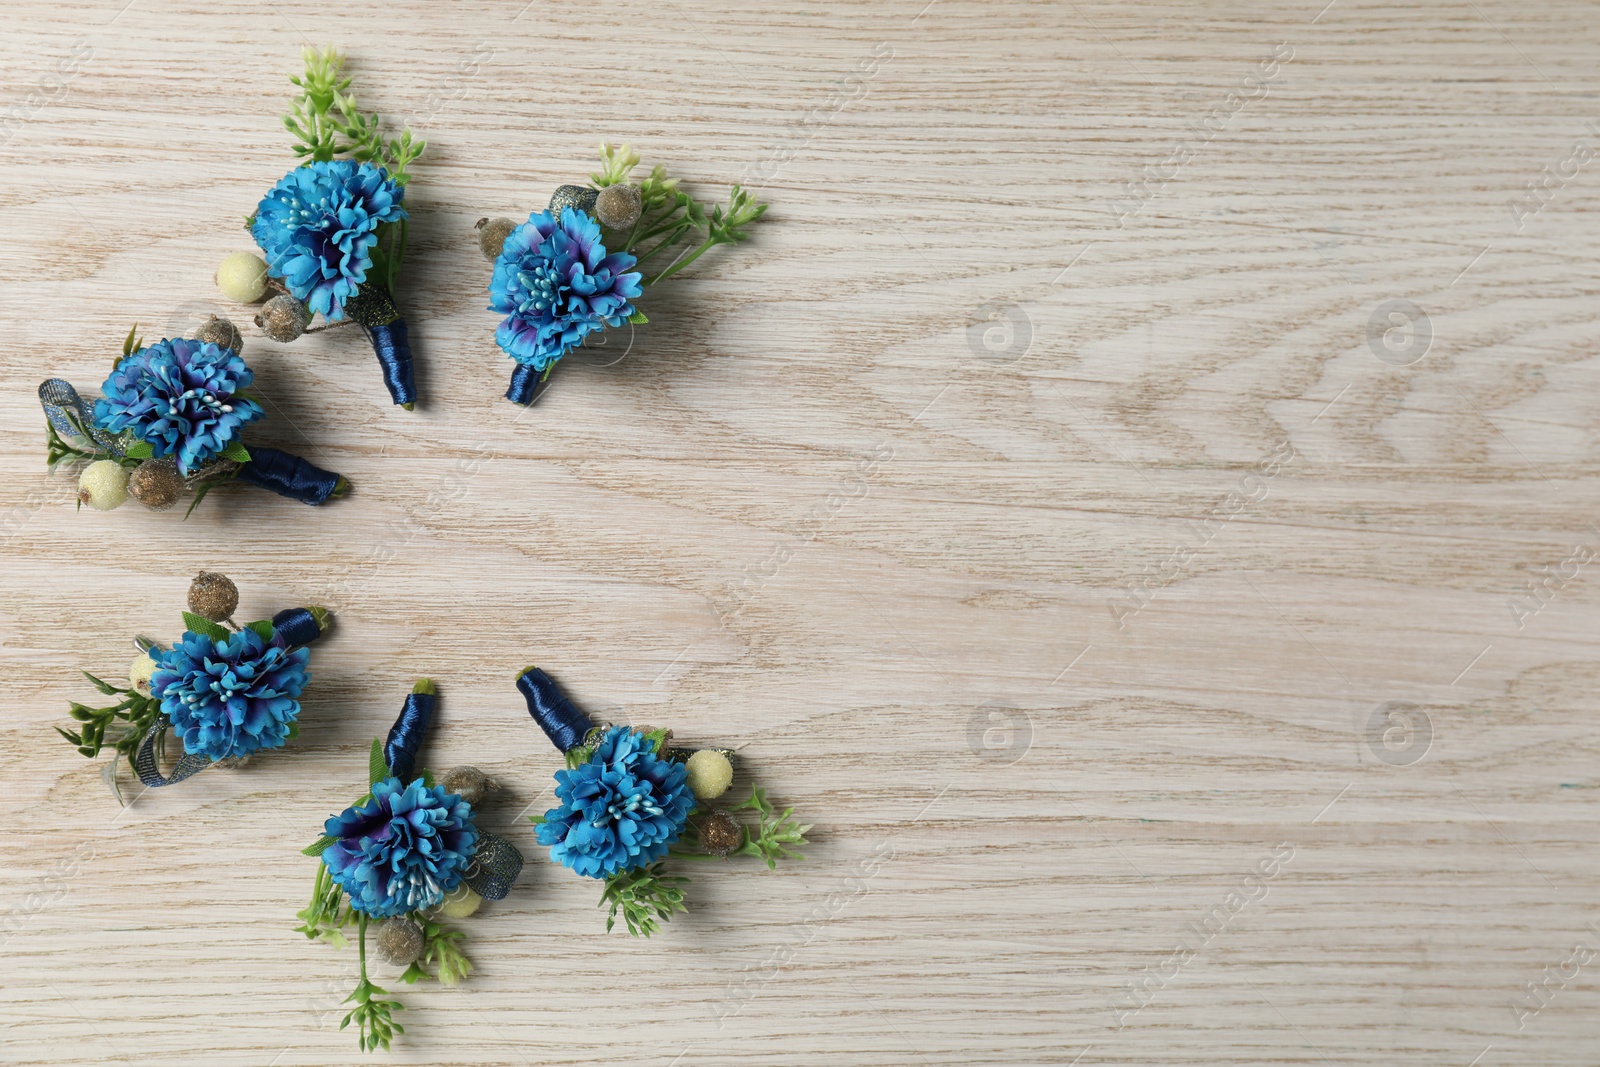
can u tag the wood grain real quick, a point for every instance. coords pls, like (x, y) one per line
(1056, 641)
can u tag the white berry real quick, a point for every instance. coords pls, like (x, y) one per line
(710, 774)
(242, 277)
(103, 485)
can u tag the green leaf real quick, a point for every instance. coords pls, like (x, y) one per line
(645, 896)
(200, 494)
(141, 450)
(236, 452)
(317, 849)
(377, 766)
(203, 626)
(105, 687)
(638, 318)
(129, 344)
(262, 628)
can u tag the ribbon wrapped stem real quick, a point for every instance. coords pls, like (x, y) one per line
(561, 720)
(290, 476)
(393, 349)
(527, 384)
(409, 730)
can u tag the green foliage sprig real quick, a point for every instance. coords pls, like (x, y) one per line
(774, 834)
(668, 215)
(441, 949)
(127, 721)
(325, 118)
(329, 914)
(373, 1013)
(644, 895)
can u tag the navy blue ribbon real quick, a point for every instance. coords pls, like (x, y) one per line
(560, 719)
(393, 350)
(288, 475)
(527, 384)
(148, 768)
(405, 736)
(297, 626)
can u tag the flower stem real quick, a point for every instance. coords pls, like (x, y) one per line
(665, 243)
(676, 265)
(361, 927)
(397, 252)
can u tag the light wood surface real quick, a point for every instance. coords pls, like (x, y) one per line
(811, 515)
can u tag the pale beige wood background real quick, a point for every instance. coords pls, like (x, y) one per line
(811, 515)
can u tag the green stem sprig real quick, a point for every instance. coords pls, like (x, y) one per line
(723, 226)
(372, 1014)
(667, 215)
(645, 896)
(328, 123)
(328, 914)
(127, 721)
(775, 833)
(441, 950)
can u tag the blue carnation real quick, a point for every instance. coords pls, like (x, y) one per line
(319, 225)
(556, 284)
(620, 809)
(180, 396)
(403, 849)
(230, 698)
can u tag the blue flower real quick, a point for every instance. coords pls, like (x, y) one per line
(620, 809)
(402, 850)
(318, 227)
(179, 395)
(230, 698)
(556, 284)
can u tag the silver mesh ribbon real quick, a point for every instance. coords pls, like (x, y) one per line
(71, 417)
(494, 867)
(146, 761)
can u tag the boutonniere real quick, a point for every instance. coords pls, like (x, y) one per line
(406, 855)
(630, 800)
(333, 230)
(222, 692)
(168, 422)
(576, 268)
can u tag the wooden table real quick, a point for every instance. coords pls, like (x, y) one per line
(1135, 495)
